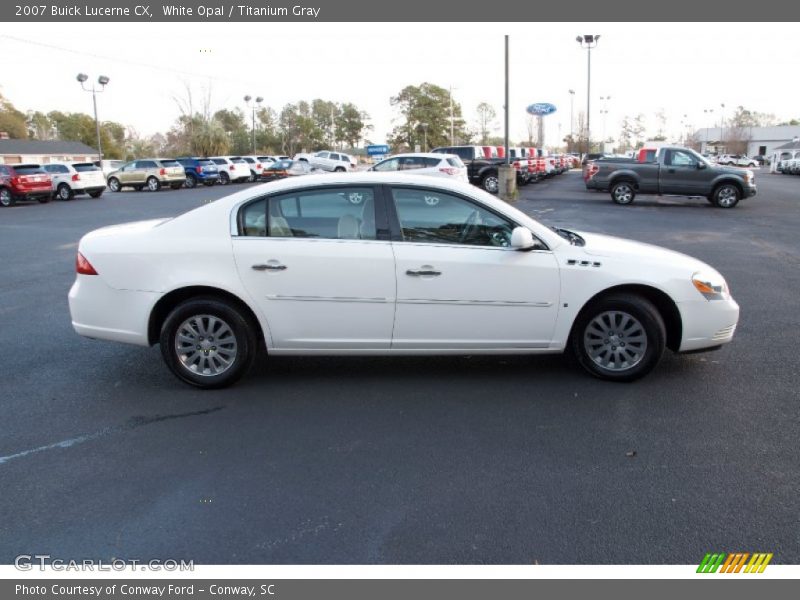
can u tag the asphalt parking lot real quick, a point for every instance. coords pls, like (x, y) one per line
(103, 453)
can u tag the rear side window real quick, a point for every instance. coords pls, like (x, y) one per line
(85, 167)
(146, 164)
(57, 168)
(430, 161)
(335, 213)
(249, 160)
(334, 156)
(455, 162)
(462, 153)
(238, 161)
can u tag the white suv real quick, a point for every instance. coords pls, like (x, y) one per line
(76, 178)
(737, 160)
(231, 169)
(329, 160)
(425, 163)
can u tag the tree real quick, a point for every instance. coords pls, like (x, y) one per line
(486, 123)
(12, 121)
(661, 119)
(427, 104)
(80, 127)
(233, 123)
(351, 124)
(631, 132)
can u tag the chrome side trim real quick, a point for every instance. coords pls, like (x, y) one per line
(474, 302)
(328, 298)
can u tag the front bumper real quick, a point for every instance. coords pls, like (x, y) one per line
(707, 324)
(750, 190)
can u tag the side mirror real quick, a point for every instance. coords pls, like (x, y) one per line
(522, 239)
(701, 165)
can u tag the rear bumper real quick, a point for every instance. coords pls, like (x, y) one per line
(32, 194)
(101, 312)
(707, 324)
(173, 178)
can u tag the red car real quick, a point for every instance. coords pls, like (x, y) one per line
(24, 182)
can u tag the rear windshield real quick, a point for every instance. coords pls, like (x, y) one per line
(220, 161)
(248, 160)
(84, 167)
(282, 164)
(170, 163)
(206, 163)
(27, 169)
(238, 160)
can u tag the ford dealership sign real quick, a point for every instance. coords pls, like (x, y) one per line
(540, 109)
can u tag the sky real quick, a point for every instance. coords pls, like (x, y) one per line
(642, 67)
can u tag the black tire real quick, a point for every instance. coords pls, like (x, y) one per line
(153, 184)
(240, 326)
(6, 198)
(64, 192)
(114, 184)
(490, 183)
(339, 170)
(648, 325)
(224, 178)
(96, 194)
(208, 183)
(623, 192)
(175, 186)
(726, 195)
(191, 181)
(252, 177)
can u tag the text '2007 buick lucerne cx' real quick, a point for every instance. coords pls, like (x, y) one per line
(388, 264)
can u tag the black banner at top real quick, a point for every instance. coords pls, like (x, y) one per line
(399, 11)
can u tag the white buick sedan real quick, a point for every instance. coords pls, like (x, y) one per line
(388, 264)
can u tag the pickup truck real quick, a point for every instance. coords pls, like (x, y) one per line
(481, 171)
(675, 171)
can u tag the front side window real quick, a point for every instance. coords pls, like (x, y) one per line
(435, 217)
(334, 156)
(390, 164)
(334, 213)
(679, 158)
(322, 154)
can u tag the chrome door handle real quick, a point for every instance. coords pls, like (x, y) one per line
(423, 273)
(269, 267)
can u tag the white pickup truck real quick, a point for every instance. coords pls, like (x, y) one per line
(328, 160)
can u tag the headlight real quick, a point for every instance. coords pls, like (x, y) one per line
(711, 285)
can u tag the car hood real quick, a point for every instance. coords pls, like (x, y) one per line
(614, 247)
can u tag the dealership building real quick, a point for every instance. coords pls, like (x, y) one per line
(761, 141)
(44, 151)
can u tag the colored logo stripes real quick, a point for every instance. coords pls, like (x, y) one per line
(734, 563)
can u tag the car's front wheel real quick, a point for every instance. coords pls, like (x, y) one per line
(64, 192)
(490, 183)
(726, 195)
(208, 342)
(6, 198)
(153, 184)
(619, 337)
(114, 184)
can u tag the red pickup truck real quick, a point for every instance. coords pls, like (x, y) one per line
(24, 182)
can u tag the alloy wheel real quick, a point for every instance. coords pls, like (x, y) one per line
(615, 341)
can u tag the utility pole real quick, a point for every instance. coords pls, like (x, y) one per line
(452, 120)
(103, 81)
(588, 42)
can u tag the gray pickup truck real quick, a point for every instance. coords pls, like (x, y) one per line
(674, 171)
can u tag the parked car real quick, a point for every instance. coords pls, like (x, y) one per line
(255, 165)
(425, 163)
(232, 169)
(71, 179)
(737, 160)
(148, 172)
(109, 166)
(676, 171)
(393, 274)
(329, 160)
(199, 170)
(287, 168)
(481, 171)
(24, 182)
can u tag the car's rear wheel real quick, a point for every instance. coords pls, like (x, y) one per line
(623, 192)
(64, 192)
(114, 184)
(726, 195)
(208, 342)
(252, 177)
(153, 184)
(339, 170)
(490, 183)
(224, 178)
(191, 181)
(6, 199)
(619, 337)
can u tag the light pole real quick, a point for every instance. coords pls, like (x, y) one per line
(425, 136)
(103, 81)
(722, 126)
(588, 42)
(259, 100)
(452, 119)
(571, 114)
(708, 112)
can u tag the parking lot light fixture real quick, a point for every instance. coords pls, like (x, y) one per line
(102, 81)
(571, 113)
(258, 102)
(587, 42)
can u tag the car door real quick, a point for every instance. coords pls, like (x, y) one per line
(460, 285)
(319, 267)
(681, 174)
(321, 161)
(137, 174)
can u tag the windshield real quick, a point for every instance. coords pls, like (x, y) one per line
(284, 164)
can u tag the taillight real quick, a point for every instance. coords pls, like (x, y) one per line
(448, 170)
(162, 172)
(233, 167)
(258, 165)
(15, 180)
(76, 177)
(198, 169)
(593, 170)
(83, 266)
